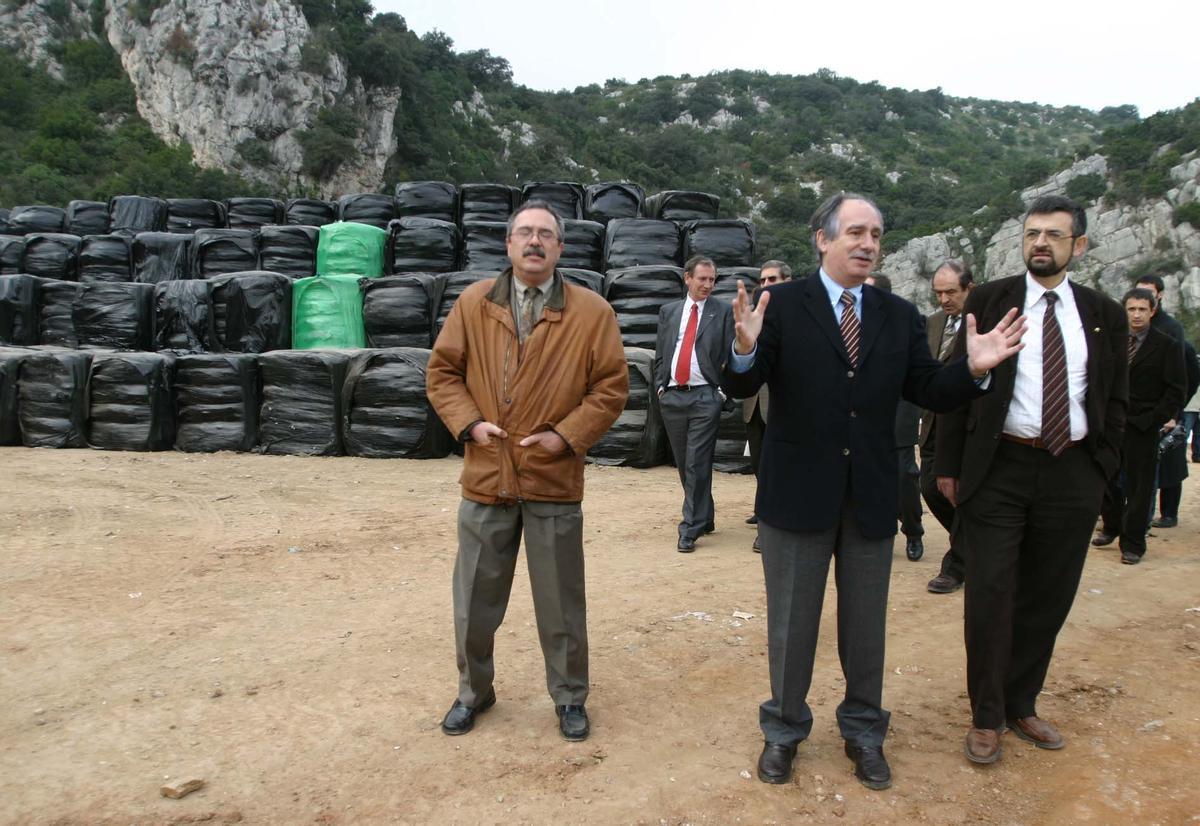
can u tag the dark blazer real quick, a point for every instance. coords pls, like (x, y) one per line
(1157, 382)
(967, 438)
(714, 338)
(831, 430)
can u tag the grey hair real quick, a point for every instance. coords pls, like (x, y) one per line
(536, 203)
(689, 266)
(776, 264)
(825, 218)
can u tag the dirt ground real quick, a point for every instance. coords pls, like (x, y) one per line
(281, 628)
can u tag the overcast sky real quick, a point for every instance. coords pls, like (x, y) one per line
(1060, 53)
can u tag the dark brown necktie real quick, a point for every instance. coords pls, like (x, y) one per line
(850, 327)
(1133, 347)
(1056, 417)
(948, 338)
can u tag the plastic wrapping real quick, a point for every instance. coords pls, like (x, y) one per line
(105, 258)
(351, 248)
(252, 311)
(682, 205)
(449, 287)
(56, 308)
(385, 413)
(398, 309)
(367, 208)
(594, 281)
(485, 247)
(564, 197)
(87, 218)
(37, 218)
(52, 255)
(114, 316)
(218, 251)
(5, 212)
(216, 402)
(729, 453)
(603, 202)
(52, 398)
(10, 368)
(637, 294)
(637, 438)
(486, 202)
(583, 245)
(727, 278)
(327, 311)
(301, 411)
(427, 199)
(642, 242)
(191, 214)
(131, 401)
(310, 212)
(18, 310)
(183, 317)
(135, 213)
(161, 256)
(729, 242)
(252, 213)
(12, 250)
(423, 245)
(289, 250)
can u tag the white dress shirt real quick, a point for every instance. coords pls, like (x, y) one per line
(694, 376)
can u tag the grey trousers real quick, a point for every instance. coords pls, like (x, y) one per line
(488, 539)
(692, 419)
(796, 566)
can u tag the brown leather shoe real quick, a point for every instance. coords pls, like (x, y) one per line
(1037, 731)
(983, 745)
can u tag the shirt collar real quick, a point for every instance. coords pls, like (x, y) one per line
(835, 289)
(1034, 291)
(689, 301)
(521, 286)
(1141, 337)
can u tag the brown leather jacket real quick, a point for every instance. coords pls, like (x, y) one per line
(571, 378)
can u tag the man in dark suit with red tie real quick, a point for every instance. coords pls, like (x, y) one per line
(1026, 465)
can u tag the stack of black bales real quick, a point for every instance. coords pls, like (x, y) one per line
(485, 246)
(216, 402)
(682, 205)
(52, 399)
(583, 245)
(727, 278)
(114, 316)
(184, 319)
(398, 310)
(486, 202)
(133, 214)
(52, 255)
(451, 285)
(301, 409)
(87, 218)
(220, 251)
(105, 258)
(642, 242)
(385, 411)
(161, 256)
(606, 201)
(10, 368)
(310, 212)
(18, 310)
(563, 197)
(729, 453)
(24, 220)
(728, 242)
(368, 208)
(423, 245)
(637, 438)
(289, 250)
(191, 214)
(131, 405)
(12, 250)
(637, 294)
(427, 199)
(252, 311)
(56, 308)
(590, 279)
(252, 213)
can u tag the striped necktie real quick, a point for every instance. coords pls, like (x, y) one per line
(948, 338)
(850, 327)
(1056, 417)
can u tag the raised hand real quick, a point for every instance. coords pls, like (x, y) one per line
(986, 350)
(748, 321)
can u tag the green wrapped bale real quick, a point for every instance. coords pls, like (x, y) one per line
(327, 311)
(351, 248)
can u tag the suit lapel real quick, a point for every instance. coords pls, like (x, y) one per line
(874, 315)
(816, 302)
(1093, 333)
(935, 329)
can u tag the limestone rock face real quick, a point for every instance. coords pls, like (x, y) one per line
(29, 31)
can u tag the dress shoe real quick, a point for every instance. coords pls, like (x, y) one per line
(870, 766)
(914, 548)
(1164, 522)
(775, 763)
(757, 546)
(1103, 538)
(1130, 558)
(461, 717)
(752, 519)
(686, 545)
(1037, 731)
(573, 722)
(943, 584)
(983, 745)
(710, 527)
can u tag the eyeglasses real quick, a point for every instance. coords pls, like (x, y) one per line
(1054, 236)
(771, 279)
(525, 233)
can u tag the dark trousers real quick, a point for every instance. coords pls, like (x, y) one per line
(952, 563)
(910, 492)
(796, 566)
(692, 419)
(1128, 498)
(1025, 534)
(755, 428)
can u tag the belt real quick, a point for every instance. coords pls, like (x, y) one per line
(1034, 442)
(686, 387)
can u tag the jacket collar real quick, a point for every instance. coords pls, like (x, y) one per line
(501, 292)
(816, 301)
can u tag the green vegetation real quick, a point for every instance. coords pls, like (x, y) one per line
(1189, 214)
(1140, 155)
(1085, 188)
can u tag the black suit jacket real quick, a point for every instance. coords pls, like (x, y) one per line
(830, 434)
(1157, 381)
(967, 438)
(714, 338)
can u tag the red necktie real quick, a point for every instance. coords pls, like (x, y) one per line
(1056, 416)
(683, 367)
(850, 327)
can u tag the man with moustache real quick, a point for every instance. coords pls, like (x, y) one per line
(528, 372)
(1026, 466)
(837, 356)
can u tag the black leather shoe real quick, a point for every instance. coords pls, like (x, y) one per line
(753, 519)
(870, 766)
(1103, 538)
(686, 545)
(461, 718)
(573, 722)
(1164, 522)
(915, 548)
(1130, 558)
(943, 584)
(710, 527)
(775, 763)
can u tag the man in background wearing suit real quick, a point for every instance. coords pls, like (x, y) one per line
(694, 336)
(1026, 465)
(837, 355)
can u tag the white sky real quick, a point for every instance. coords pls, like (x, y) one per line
(1060, 53)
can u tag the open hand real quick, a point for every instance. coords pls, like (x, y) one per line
(986, 350)
(748, 321)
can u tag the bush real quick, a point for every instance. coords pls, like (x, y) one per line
(256, 152)
(1188, 214)
(1086, 187)
(180, 47)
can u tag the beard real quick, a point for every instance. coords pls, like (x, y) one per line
(1044, 269)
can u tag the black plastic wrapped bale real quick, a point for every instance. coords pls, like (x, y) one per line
(484, 246)
(367, 208)
(486, 202)
(637, 438)
(161, 256)
(594, 281)
(301, 411)
(252, 213)
(37, 218)
(449, 287)
(727, 278)
(730, 453)
(310, 212)
(191, 214)
(642, 242)
(682, 205)
(385, 413)
(52, 255)
(87, 217)
(427, 199)
(184, 319)
(729, 242)
(131, 402)
(5, 212)
(56, 308)
(637, 294)
(105, 258)
(10, 368)
(398, 309)
(12, 250)
(423, 245)
(216, 402)
(289, 250)
(218, 251)
(604, 202)
(564, 197)
(114, 316)
(52, 398)
(136, 213)
(583, 245)
(253, 311)
(18, 310)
